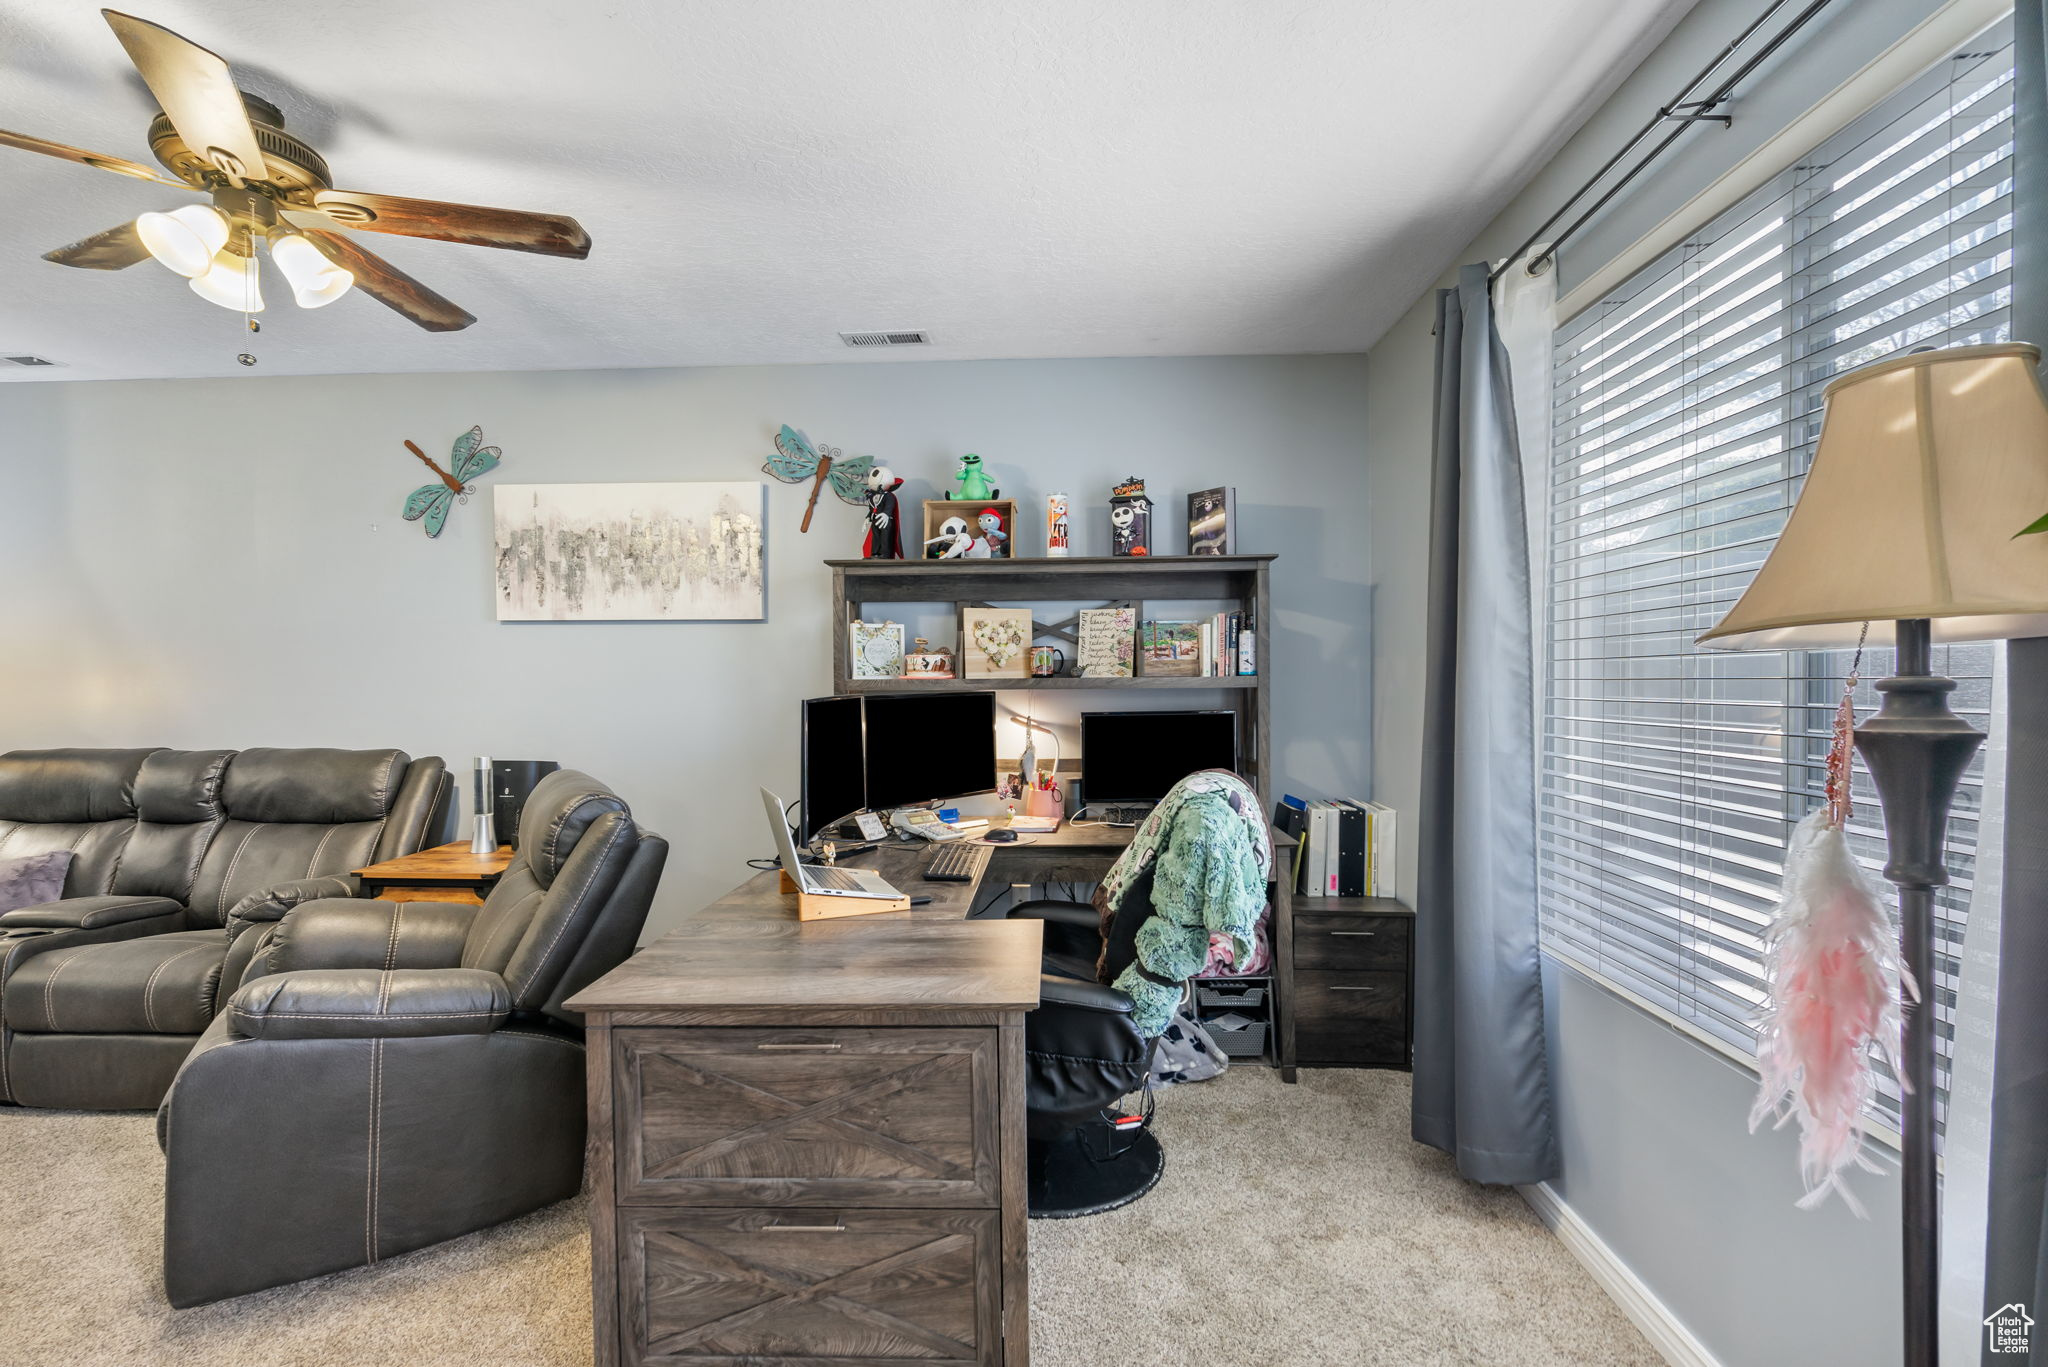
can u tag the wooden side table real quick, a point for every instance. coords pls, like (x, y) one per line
(445, 873)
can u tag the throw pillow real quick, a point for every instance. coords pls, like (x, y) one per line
(33, 879)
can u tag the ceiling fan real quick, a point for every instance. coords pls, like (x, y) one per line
(268, 186)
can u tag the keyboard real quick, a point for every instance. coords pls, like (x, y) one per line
(951, 864)
(837, 879)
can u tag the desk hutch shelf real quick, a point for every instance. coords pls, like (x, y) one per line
(1148, 584)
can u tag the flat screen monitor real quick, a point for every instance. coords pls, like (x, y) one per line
(1134, 757)
(921, 746)
(835, 776)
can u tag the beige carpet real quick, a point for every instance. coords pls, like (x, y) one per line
(1295, 1227)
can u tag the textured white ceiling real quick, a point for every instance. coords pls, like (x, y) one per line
(1036, 178)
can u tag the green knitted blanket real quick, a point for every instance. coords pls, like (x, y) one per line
(1211, 855)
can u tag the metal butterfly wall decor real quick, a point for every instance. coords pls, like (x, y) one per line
(796, 460)
(428, 504)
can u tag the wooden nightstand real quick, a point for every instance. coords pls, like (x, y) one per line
(445, 873)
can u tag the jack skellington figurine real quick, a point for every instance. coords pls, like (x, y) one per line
(885, 532)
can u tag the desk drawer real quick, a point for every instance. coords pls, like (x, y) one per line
(732, 1117)
(788, 1287)
(1351, 943)
(1351, 1018)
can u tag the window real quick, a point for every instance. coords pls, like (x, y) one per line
(1685, 411)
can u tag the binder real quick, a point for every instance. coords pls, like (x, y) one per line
(1350, 849)
(1327, 858)
(1386, 883)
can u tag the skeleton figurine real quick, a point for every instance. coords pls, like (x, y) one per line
(951, 543)
(993, 537)
(1123, 528)
(885, 533)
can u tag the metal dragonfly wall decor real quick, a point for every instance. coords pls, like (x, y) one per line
(428, 505)
(796, 460)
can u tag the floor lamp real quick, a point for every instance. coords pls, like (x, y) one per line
(1928, 464)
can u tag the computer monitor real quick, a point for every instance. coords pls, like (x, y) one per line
(921, 746)
(889, 750)
(1129, 758)
(834, 769)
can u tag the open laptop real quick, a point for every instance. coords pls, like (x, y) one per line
(823, 880)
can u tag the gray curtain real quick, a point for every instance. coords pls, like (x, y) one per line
(2016, 1240)
(1482, 1084)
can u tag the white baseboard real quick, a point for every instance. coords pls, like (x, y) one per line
(1672, 1340)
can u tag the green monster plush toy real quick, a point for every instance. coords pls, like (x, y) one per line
(973, 481)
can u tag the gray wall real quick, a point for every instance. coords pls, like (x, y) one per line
(1657, 1158)
(221, 562)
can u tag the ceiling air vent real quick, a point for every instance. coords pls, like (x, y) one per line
(28, 360)
(917, 337)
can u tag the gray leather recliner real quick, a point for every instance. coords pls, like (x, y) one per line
(177, 853)
(389, 1075)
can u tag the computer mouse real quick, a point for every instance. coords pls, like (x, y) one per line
(1001, 837)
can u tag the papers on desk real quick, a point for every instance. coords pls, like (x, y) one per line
(1034, 825)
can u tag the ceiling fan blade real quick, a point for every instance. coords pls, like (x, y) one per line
(391, 286)
(197, 92)
(118, 165)
(470, 224)
(116, 249)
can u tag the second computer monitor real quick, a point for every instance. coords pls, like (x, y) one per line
(922, 746)
(1129, 758)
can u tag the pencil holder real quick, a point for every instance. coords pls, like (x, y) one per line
(1042, 801)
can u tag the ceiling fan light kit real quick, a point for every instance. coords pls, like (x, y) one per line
(230, 282)
(265, 183)
(316, 282)
(187, 239)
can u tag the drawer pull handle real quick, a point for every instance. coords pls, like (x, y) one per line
(1354, 989)
(803, 1229)
(823, 1048)
(1361, 934)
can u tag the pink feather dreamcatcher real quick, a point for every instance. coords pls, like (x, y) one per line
(1832, 959)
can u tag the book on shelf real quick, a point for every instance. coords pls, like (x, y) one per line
(1247, 644)
(1212, 515)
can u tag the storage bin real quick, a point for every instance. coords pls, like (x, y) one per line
(1247, 1041)
(1237, 998)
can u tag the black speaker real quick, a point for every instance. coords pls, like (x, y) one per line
(512, 782)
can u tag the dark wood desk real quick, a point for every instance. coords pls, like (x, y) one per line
(808, 1137)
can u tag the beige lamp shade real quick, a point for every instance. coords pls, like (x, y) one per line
(1927, 466)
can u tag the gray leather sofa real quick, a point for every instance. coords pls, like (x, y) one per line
(104, 992)
(389, 1075)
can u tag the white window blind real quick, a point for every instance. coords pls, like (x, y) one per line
(1685, 411)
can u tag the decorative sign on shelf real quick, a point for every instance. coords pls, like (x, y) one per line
(993, 642)
(630, 552)
(428, 505)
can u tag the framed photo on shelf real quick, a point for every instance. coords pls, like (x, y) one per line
(877, 649)
(995, 643)
(1170, 650)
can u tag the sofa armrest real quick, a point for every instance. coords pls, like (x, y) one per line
(89, 913)
(360, 1003)
(362, 933)
(274, 903)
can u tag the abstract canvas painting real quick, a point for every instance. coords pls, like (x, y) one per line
(630, 553)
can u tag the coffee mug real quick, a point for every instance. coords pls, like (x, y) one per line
(1047, 661)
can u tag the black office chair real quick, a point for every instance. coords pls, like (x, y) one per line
(1082, 1054)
